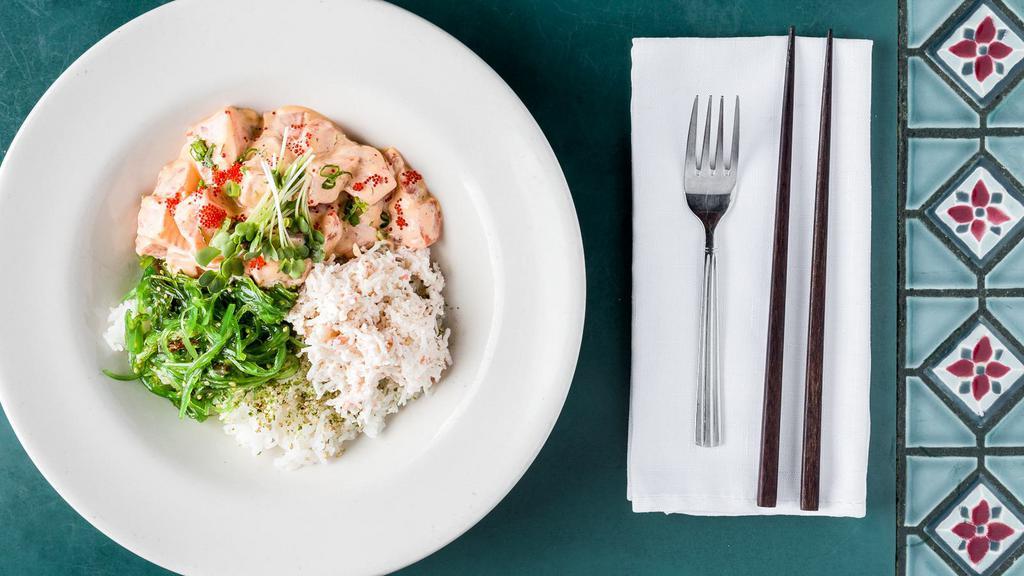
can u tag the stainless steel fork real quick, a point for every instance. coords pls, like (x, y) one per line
(709, 193)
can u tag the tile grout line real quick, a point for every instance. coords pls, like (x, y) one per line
(901, 199)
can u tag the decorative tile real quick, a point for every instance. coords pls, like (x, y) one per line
(1009, 431)
(932, 161)
(930, 321)
(979, 370)
(925, 16)
(932, 264)
(932, 103)
(1017, 6)
(931, 422)
(982, 52)
(1009, 271)
(980, 530)
(1009, 313)
(929, 482)
(1008, 470)
(923, 561)
(1015, 569)
(1009, 111)
(1007, 151)
(980, 211)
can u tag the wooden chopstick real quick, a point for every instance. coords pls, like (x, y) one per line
(811, 467)
(768, 472)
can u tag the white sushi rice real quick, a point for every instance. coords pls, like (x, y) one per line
(291, 417)
(374, 341)
(114, 335)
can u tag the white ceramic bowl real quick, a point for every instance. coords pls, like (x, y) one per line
(182, 494)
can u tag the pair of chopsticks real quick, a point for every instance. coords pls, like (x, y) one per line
(768, 472)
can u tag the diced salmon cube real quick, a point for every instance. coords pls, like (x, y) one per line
(180, 259)
(230, 131)
(363, 234)
(156, 228)
(199, 216)
(372, 177)
(176, 179)
(326, 220)
(415, 213)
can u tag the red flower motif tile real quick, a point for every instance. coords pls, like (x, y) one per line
(980, 530)
(982, 51)
(979, 370)
(979, 212)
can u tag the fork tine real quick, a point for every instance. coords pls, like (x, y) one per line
(706, 148)
(690, 159)
(734, 158)
(717, 162)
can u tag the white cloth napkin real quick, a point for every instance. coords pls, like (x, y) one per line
(667, 472)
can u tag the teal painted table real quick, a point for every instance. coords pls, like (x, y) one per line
(569, 62)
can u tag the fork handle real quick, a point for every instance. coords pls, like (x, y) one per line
(708, 421)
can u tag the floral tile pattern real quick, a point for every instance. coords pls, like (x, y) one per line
(981, 52)
(979, 529)
(960, 450)
(978, 371)
(979, 211)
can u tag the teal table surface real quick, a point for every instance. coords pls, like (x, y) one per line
(569, 62)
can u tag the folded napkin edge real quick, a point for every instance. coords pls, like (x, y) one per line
(676, 39)
(703, 506)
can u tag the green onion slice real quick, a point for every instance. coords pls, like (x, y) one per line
(330, 171)
(247, 154)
